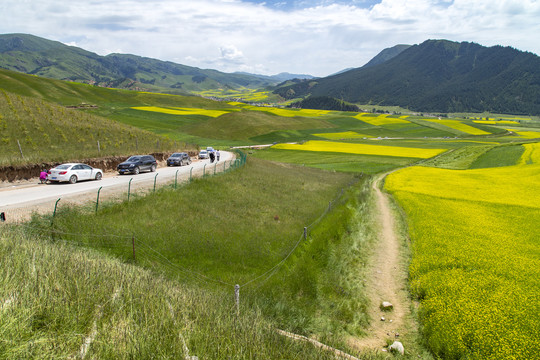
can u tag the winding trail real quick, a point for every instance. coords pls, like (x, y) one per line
(387, 280)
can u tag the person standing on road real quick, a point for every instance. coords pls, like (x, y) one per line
(212, 156)
(217, 155)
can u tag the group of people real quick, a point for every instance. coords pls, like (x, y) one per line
(214, 155)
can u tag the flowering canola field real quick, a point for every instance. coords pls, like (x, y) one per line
(343, 135)
(382, 119)
(182, 111)
(364, 149)
(475, 256)
(458, 125)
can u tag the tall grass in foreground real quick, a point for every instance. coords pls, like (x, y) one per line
(58, 301)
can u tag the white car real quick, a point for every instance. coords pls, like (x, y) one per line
(203, 154)
(73, 172)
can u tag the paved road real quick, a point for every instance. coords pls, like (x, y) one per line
(34, 195)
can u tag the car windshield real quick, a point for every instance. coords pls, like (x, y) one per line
(63, 167)
(203, 151)
(176, 155)
(133, 159)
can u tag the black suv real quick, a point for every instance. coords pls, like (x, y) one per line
(137, 163)
(178, 159)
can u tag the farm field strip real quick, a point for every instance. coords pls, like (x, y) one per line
(458, 125)
(495, 185)
(531, 154)
(342, 135)
(494, 122)
(183, 111)
(365, 149)
(526, 134)
(380, 120)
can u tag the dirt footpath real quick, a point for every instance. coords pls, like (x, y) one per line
(387, 281)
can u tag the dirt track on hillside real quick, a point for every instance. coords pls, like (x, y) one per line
(387, 281)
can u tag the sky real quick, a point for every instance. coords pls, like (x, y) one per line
(318, 37)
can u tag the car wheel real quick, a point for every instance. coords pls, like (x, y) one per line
(181, 162)
(99, 176)
(153, 168)
(136, 171)
(73, 179)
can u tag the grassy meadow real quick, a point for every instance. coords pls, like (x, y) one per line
(48, 132)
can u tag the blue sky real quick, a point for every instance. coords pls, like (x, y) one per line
(317, 37)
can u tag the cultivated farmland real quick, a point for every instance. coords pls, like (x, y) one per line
(475, 264)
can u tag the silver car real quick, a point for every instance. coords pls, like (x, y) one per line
(73, 172)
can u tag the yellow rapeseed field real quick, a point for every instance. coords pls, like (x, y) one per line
(365, 149)
(379, 120)
(458, 125)
(526, 134)
(531, 155)
(343, 135)
(475, 256)
(493, 122)
(182, 111)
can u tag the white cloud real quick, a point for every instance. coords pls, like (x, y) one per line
(230, 35)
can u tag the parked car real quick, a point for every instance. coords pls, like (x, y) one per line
(203, 154)
(73, 172)
(210, 149)
(137, 163)
(178, 159)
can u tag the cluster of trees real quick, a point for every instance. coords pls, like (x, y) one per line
(324, 103)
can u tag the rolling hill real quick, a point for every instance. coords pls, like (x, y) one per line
(37, 56)
(439, 76)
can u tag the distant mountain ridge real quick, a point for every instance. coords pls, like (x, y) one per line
(34, 55)
(439, 76)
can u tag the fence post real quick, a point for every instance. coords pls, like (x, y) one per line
(176, 179)
(129, 187)
(215, 166)
(97, 200)
(237, 298)
(224, 164)
(305, 232)
(20, 149)
(55, 206)
(190, 173)
(155, 179)
(204, 170)
(133, 242)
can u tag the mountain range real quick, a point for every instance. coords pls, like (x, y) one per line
(438, 76)
(434, 76)
(34, 55)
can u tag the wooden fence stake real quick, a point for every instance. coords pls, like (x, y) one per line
(237, 298)
(133, 242)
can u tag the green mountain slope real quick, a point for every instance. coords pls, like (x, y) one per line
(33, 55)
(440, 76)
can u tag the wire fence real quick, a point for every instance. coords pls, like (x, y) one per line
(115, 194)
(141, 249)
